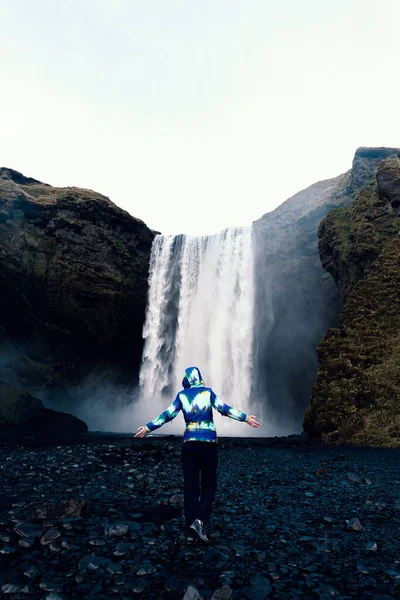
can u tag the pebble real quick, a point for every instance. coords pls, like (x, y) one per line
(354, 524)
(192, 593)
(28, 530)
(118, 530)
(371, 547)
(50, 535)
(11, 588)
(7, 550)
(146, 570)
(224, 593)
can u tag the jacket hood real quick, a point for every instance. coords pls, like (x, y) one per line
(192, 377)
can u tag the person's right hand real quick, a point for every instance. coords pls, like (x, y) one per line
(251, 420)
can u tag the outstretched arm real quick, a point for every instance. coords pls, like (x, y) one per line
(166, 416)
(233, 413)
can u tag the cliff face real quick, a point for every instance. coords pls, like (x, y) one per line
(296, 300)
(356, 397)
(73, 283)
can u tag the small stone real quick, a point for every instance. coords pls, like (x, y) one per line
(328, 592)
(362, 569)
(146, 570)
(11, 588)
(123, 548)
(7, 537)
(259, 589)
(31, 572)
(97, 542)
(49, 586)
(353, 478)
(50, 535)
(118, 530)
(55, 596)
(354, 524)
(138, 589)
(224, 593)
(309, 494)
(69, 546)
(329, 520)
(176, 498)
(371, 547)
(55, 547)
(192, 593)
(7, 550)
(28, 530)
(28, 589)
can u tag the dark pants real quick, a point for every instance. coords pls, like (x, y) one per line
(199, 493)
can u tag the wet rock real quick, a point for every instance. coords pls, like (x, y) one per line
(51, 534)
(354, 524)
(55, 547)
(146, 570)
(7, 550)
(65, 511)
(352, 478)
(192, 593)
(328, 592)
(259, 589)
(224, 593)
(28, 530)
(97, 542)
(32, 573)
(176, 498)
(29, 589)
(26, 542)
(11, 588)
(123, 548)
(371, 547)
(118, 530)
(68, 546)
(8, 537)
(49, 586)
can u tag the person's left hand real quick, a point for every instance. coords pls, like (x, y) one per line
(141, 432)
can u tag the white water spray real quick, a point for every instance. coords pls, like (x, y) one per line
(200, 313)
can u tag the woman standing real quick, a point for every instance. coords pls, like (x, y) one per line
(199, 449)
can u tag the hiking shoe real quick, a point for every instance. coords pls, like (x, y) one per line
(198, 527)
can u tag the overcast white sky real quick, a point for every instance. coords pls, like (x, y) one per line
(195, 115)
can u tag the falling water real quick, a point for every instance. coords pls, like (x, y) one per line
(200, 312)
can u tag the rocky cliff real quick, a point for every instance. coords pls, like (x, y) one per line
(73, 284)
(356, 397)
(296, 299)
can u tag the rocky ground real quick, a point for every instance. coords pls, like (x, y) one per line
(102, 518)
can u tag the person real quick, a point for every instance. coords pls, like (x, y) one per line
(199, 449)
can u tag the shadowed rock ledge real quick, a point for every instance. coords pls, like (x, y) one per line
(24, 415)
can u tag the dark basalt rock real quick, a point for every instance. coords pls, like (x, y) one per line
(356, 397)
(73, 283)
(22, 414)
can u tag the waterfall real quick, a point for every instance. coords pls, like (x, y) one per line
(200, 312)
